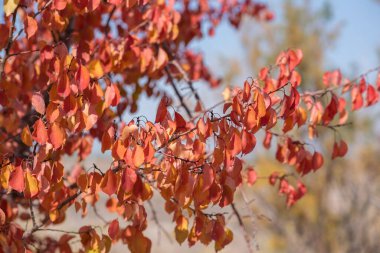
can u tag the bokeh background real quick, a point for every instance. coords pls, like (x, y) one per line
(341, 212)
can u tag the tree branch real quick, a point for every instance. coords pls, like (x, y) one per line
(180, 97)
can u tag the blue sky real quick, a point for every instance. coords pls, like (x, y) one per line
(358, 43)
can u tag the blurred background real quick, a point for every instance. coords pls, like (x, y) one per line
(341, 212)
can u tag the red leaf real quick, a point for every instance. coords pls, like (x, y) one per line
(372, 95)
(38, 103)
(248, 142)
(161, 111)
(295, 58)
(267, 140)
(113, 229)
(317, 161)
(179, 120)
(16, 180)
(357, 99)
(40, 133)
(343, 148)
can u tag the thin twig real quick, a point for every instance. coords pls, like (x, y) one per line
(180, 97)
(32, 213)
(241, 224)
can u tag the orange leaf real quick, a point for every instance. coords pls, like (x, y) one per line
(118, 150)
(261, 109)
(138, 156)
(31, 26)
(16, 180)
(26, 136)
(109, 182)
(40, 133)
(57, 135)
(82, 182)
(208, 177)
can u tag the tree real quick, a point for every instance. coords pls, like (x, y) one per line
(338, 203)
(70, 72)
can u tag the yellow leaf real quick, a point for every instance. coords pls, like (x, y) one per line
(53, 215)
(181, 230)
(95, 68)
(10, 6)
(31, 185)
(4, 176)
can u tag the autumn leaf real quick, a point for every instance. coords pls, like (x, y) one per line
(40, 133)
(5, 174)
(2, 217)
(113, 229)
(10, 6)
(138, 156)
(57, 135)
(82, 78)
(31, 185)
(181, 230)
(161, 111)
(38, 103)
(63, 88)
(16, 180)
(26, 136)
(109, 183)
(95, 69)
(31, 27)
(82, 182)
